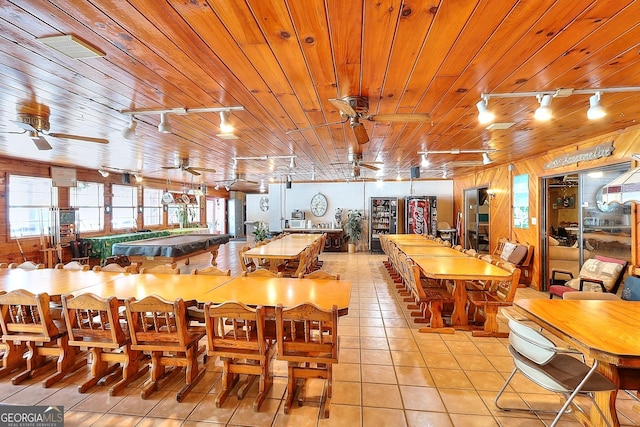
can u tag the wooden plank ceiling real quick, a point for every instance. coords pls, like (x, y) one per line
(283, 60)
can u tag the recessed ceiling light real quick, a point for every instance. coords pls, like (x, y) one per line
(71, 46)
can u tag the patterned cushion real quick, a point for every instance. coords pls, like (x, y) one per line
(631, 289)
(507, 250)
(608, 272)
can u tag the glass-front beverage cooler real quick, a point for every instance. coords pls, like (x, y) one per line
(421, 215)
(383, 220)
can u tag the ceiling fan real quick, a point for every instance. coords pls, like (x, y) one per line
(36, 126)
(237, 178)
(356, 108)
(183, 164)
(356, 162)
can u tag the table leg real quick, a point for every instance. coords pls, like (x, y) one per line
(459, 315)
(214, 254)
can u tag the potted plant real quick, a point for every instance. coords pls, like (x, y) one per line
(353, 228)
(185, 215)
(261, 232)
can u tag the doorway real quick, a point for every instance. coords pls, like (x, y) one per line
(476, 219)
(216, 220)
(578, 225)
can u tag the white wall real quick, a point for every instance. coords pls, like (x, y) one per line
(352, 195)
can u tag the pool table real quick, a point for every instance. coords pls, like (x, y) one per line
(170, 249)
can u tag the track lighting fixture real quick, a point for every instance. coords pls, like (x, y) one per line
(217, 187)
(129, 132)
(484, 114)
(425, 161)
(485, 153)
(164, 126)
(486, 159)
(225, 126)
(544, 97)
(226, 187)
(138, 177)
(103, 172)
(292, 163)
(596, 110)
(543, 112)
(444, 174)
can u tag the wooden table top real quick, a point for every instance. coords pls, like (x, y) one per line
(604, 330)
(286, 291)
(431, 250)
(168, 286)
(54, 281)
(459, 268)
(288, 247)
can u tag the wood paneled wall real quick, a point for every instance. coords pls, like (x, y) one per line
(9, 250)
(500, 180)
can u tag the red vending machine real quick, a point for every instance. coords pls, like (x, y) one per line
(421, 215)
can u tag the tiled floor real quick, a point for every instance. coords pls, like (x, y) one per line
(389, 375)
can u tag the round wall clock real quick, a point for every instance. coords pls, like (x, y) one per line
(318, 204)
(264, 203)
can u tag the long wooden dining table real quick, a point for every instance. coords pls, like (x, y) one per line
(289, 247)
(606, 331)
(458, 270)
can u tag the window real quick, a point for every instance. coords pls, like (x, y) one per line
(187, 214)
(123, 206)
(152, 206)
(88, 197)
(30, 203)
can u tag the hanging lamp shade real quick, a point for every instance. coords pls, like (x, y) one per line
(623, 189)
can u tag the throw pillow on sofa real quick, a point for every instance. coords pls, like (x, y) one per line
(631, 289)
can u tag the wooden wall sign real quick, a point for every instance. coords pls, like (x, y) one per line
(593, 153)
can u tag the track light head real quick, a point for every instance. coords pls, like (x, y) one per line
(486, 159)
(164, 126)
(129, 132)
(225, 126)
(444, 174)
(596, 110)
(103, 172)
(292, 163)
(484, 114)
(425, 161)
(543, 112)
(138, 177)
(217, 187)
(226, 187)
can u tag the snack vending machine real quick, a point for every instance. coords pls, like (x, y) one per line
(383, 220)
(421, 215)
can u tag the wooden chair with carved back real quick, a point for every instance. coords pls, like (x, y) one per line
(261, 272)
(26, 321)
(93, 322)
(161, 328)
(246, 263)
(161, 269)
(307, 339)
(236, 334)
(73, 265)
(27, 265)
(115, 268)
(211, 271)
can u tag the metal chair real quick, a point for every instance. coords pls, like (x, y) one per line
(553, 368)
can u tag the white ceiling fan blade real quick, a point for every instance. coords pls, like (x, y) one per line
(25, 126)
(41, 143)
(343, 106)
(79, 138)
(399, 118)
